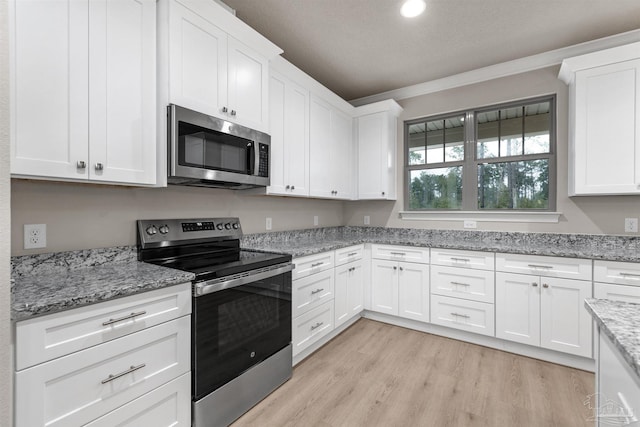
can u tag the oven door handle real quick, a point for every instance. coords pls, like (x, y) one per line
(205, 288)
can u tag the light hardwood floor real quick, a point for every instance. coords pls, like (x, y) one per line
(374, 374)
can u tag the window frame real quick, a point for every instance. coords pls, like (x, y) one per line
(471, 161)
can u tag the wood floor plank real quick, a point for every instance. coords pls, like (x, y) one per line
(375, 374)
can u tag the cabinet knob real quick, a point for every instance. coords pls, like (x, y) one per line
(383, 193)
(401, 269)
(225, 109)
(545, 285)
(99, 166)
(287, 187)
(81, 164)
(293, 187)
(534, 284)
(395, 268)
(233, 112)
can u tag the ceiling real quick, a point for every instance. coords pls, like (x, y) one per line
(359, 48)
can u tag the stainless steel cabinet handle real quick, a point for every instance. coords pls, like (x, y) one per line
(287, 187)
(460, 315)
(398, 253)
(545, 285)
(81, 164)
(383, 193)
(548, 267)
(395, 268)
(316, 264)
(317, 291)
(460, 259)
(99, 166)
(534, 284)
(112, 377)
(352, 254)
(630, 275)
(225, 109)
(233, 112)
(293, 187)
(316, 326)
(401, 269)
(120, 319)
(460, 284)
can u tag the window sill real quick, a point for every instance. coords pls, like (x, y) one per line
(488, 216)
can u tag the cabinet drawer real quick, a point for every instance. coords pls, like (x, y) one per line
(352, 253)
(78, 388)
(472, 316)
(400, 253)
(312, 291)
(617, 292)
(312, 326)
(622, 273)
(311, 264)
(45, 338)
(467, 259)
(568, 268)
(168, 405)
(476, 285)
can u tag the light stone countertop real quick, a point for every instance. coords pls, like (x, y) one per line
(620, 322)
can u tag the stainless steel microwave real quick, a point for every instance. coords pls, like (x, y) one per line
(207, 151)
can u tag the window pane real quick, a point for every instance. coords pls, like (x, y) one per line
(511, 132)
(439, 188)
(435, 142)
(537, 125)
(487, 134)
(514, 185)
(454, 139)
(417, 144)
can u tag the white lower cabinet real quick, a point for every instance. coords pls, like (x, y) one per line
(167, 406)
(312, 291)
(619, 281)
(78, 388)
(462, 314)
(311, 326)
(400, 289)
(544, 311)
(349, 291)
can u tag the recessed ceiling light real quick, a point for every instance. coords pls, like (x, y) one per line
(412, 8)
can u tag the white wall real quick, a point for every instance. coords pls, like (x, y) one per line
(80, 216)
(594, 215)
(5, 236)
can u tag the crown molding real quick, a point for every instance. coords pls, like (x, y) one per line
(504, 69)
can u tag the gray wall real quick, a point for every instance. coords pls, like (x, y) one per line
(6, 368)
(596, 215)
(80, 216)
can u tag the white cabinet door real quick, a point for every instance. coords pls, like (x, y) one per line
(320, 146)
(49, 53)
(617, 292)
(518, 308)
(384, 286)
(377, 156)
(466, 283)
(349, 291)
(122, 87)
(289, 129)
(565, 322)
(413, 291)
(197, 62)
(248, 86)
(341, 167)
(607, 108)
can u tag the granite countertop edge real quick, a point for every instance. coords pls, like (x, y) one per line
(619, 321)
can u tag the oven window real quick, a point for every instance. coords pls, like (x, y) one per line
(208, 149)
(237, 328)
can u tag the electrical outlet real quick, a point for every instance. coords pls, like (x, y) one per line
(35, 236)
(631, 225)
(367, 220)
(315, 220)
(469, 223)
(268, 224)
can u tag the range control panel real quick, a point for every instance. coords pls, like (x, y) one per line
(158, 231)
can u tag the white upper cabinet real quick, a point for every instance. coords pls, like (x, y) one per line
(331, 171)
(604, 121)
(376, 150)
(83, 87)
(213, 72)
(289, 119)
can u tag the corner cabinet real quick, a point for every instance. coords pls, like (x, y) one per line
(289, 118)
(376, 126)
(82, 81)
(331, 151)
(604, 121)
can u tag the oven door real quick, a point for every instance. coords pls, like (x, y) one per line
(237, 323)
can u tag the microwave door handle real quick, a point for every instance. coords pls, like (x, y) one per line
(252, 158)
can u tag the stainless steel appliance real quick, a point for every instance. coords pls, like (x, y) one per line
(241, 318)
(206, 151)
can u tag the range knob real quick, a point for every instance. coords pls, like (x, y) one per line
(164, 229)
(236, 225)
(151, 230)
(227, 226)
(219, 226)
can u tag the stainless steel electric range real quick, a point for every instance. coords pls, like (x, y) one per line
(241, 318)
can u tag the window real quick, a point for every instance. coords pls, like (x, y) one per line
(495, 158)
